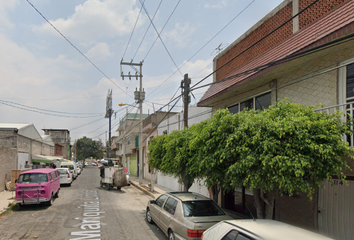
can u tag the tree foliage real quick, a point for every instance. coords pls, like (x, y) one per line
(86, 147)
(286, 149)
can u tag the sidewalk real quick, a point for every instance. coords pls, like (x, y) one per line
(158, 190)
(6, 197)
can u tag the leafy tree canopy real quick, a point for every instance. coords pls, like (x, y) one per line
(86, 147)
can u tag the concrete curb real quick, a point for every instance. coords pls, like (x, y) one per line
(136, 185)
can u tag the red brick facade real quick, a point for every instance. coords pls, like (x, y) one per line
(316, 11)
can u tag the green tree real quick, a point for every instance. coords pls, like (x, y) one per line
(286, 149)
(86, 147)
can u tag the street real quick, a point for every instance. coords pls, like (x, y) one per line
(84, 211)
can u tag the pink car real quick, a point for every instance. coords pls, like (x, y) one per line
(38, 186)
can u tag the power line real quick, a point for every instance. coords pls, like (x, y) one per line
(160, 38)
(285, 59)
(147, 30)
(43, 111)
(73, 45)
(203, 46)
(254, 44)
(133, 30)
(168, 19)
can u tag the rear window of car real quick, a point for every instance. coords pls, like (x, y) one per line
(71, 167)
(33, 178)
(63, 171)
(201, 208)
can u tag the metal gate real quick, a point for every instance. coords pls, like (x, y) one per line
(336, 210)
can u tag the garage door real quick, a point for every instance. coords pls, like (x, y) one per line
(336, 210)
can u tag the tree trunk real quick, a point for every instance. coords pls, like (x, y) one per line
(270, 205)
(258, 203)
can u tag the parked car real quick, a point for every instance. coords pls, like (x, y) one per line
(72, 167)
(66, 178)
(184, 215)
(37, 186)
(128, 178)
(260, 229)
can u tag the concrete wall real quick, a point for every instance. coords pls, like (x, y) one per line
(23, 144)
(8, 160)
(36, 148)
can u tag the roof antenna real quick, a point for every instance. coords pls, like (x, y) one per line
(250, 212)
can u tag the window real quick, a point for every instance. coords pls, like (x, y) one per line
(33, 178)
(170, 206)
(263, 101)
(234, 235)
(201, 208)
(246, 104)
(161, 200)
(231, 235)
(50, 177)
(128, 140)
(234, 108)
(260, 102)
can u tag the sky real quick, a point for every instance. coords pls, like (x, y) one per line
(58, 59)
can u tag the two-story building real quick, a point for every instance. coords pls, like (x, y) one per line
(61, 138)
(128, 139)
(304, 51)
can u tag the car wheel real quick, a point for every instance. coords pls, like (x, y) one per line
(149, 217)
(50, 202)
(171, 235)
(108, 187)
(57, 194)
(101, 183)
(69, 184)
(119, 188)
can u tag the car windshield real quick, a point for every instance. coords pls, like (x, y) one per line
(201, 208)
(63, 171)
(33, 178)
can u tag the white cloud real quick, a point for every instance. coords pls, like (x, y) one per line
(181, 34)
(220, 5)
(99, 52)
(5, 6)
(95, 20)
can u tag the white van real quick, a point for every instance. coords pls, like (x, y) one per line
(72, 167)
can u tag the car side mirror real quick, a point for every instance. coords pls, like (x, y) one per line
(152, 201)
(16, 181)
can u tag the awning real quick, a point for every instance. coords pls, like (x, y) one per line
(46, 159)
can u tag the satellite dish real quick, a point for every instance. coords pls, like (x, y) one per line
(219, 48)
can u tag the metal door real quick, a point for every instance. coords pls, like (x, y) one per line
(336, 210)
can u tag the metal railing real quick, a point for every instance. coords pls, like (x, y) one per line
(346, 110)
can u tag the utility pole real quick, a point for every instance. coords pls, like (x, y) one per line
(108, 115)
(185, 86)
(139, 96)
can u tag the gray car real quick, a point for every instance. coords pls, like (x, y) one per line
(184, 215)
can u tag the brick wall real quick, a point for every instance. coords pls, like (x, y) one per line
(8, 159)
(316, 11)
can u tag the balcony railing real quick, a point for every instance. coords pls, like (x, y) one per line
(346, 110)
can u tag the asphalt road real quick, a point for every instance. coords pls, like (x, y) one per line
(84, 211)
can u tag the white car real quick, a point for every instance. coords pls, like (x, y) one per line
(66, 178)
(260, 229)
(72, 167)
